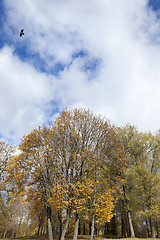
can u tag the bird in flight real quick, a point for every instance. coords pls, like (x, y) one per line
(21, 32)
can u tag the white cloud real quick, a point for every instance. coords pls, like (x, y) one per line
(24, 95)
(122, 35)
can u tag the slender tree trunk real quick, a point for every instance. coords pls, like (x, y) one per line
(94, 201)
(84, 229)
(5, 232)
(49, 223)
(123, 220)
(41, 230)
(152, 228)
(26, 229)
(147, 228)
(122, 227)
(19, 225)
(79, 227)
(128, 214)
(96, 231)
(38, 231)
(40, 225)
(93, 217)
(65, 227)
(157, 229)
(131, 225)
(50, 229)
(60, 224)
(114, 226)
(76, 228)
(90, 227)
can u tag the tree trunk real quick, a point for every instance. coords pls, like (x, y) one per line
(60, 224)
(79, 227)
(5, 232)
(122, 227)
(26, 229)
(65, 227)
(124, 223)
(38, 231)
(114, 226)
(93, 218)
(126, 212)
(131, 225)
(94, 201)
(84, 229)
(90, 227)
(19, 225)
(50, 229)
(157, 229)
(76, 228)
(152, 228)
(147, 228)
(49, 223)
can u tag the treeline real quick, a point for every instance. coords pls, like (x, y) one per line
(81, 175)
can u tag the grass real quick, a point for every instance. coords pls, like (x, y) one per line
(29, 238)
(44, 237)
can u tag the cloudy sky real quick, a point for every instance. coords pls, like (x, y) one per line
(97, 54)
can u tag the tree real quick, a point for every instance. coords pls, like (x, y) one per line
(33, 171)
(57, 165)
(85, 140)
(147, 184)
(135, 145)
(141, 188)
(4, 216)
(6, 151)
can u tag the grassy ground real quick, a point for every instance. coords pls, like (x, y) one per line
(29, 238)
(43, 237)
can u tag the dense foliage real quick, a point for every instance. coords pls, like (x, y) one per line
(81, 175)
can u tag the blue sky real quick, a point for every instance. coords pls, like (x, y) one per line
(97, 54)
(154, 4)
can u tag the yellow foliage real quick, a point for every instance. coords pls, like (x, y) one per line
(104, 207)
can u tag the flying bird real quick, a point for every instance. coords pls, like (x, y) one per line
(21, 32)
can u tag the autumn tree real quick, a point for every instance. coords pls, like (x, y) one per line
(33, 170)
(135, 145)
(65, 168)
(140, 191)
(146, 178)
(6, 151)
(87, 143)
(4, 217)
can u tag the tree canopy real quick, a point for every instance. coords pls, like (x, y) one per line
(82, 174)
